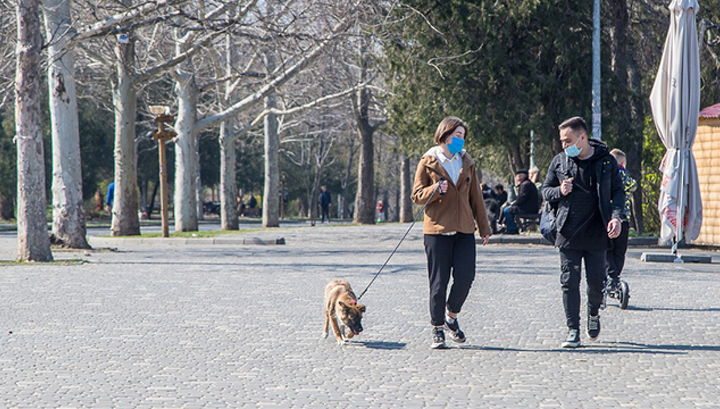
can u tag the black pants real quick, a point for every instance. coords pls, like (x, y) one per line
(325, 213)
(616, 255)
(570, 265)
(446, 254)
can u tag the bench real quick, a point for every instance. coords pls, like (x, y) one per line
(247, 212)
(527, 221)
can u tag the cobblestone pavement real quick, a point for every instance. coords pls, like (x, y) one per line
(165, 324)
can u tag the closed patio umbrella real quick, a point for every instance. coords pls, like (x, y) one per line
(675, 104)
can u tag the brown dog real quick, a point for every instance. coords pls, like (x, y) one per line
(341, 305)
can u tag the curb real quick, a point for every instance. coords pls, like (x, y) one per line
(538, 239)
(189, 240)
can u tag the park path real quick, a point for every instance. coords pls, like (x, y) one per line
(194, 324)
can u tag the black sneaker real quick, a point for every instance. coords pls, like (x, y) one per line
(573, 339)
(455, 332)
(614, 284)
(593, 327)
(438, 338)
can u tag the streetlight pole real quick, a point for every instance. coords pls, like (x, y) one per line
(596, 108)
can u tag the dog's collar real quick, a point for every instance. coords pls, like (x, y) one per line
(353, 302)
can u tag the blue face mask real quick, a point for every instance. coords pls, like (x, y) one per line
(456, 145)
(573, 151)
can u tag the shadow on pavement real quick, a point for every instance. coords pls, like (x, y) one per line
(607, 348)
(646, 309)
(379, 344)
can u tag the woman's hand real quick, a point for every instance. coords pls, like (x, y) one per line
(443, 185)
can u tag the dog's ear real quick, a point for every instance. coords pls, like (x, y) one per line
(342, 304)
(361, 308)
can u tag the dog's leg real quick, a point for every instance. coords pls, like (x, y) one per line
(336, 330)
(325, 326)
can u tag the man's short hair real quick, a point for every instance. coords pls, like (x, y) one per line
(499, 187)
(618, 154)
(576, 124)
(519, 171)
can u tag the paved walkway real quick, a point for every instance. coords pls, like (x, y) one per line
(168, 324)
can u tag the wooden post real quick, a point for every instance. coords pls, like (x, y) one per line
(163, 184)
(161, 136)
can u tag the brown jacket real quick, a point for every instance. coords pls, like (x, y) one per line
(462, 204)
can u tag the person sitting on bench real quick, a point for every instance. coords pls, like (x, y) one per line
(527, 201)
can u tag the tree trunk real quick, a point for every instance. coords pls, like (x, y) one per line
(517, 159)
(7, 207)
(151, 206)
(228, 154)
(186, 159)
(271, 199)
(32, 232)
(200, 198)
(365, 200)
(345, 182)
(628, 98)
(68, 216)
(125, 220)
(228, 184)
(143, 195)
(406, 181)
(271, 202)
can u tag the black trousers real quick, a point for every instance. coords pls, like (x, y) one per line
(325, 212)
(616, 255)
(449, 255)
(570, 266)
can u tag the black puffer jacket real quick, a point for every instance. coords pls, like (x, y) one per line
(610, 187)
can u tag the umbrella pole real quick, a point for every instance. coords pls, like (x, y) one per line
(675, 246)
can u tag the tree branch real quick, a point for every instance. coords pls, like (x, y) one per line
(271, 86)
(296, 109)
(112, 23)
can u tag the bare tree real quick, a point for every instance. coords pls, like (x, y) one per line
(120, 56)
(68, 216)
(366, 127)
(293, 63)
(32, 232)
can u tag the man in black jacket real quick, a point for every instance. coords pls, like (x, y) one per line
(324, 203)
(526, 201)
(584, 186)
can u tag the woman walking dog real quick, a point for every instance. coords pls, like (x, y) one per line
(447, 182)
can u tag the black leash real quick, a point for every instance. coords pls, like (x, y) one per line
(403, 237)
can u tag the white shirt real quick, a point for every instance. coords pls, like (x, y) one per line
(452, 165)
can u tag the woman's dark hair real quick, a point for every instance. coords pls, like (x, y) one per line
(447, 126)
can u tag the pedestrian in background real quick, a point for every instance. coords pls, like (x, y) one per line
(110, 197)
(583, 185)
(324, 203)
(446, 183)
(616, 254)
(526, 202)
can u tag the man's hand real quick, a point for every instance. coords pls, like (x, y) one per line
(485, 239)
(614, 228)
(566, 186)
